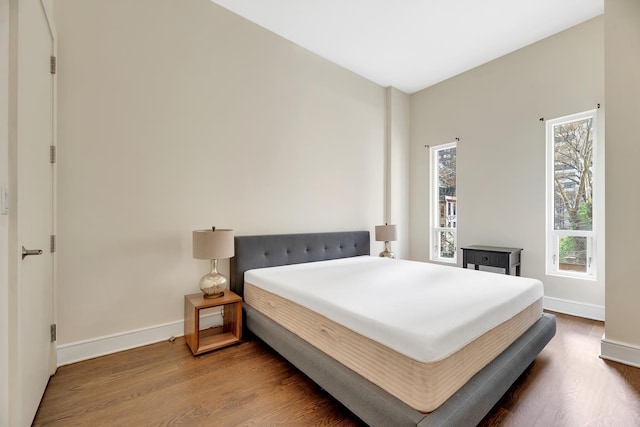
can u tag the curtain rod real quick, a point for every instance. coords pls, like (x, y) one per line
(455, 139)
(542, 118)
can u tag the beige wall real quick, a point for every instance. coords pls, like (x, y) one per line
(276, 139)
(179, 115)
(494, 110)
(622, 66)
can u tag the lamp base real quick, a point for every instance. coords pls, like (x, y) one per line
(213, 283)
(387, 251)
(387, 254)
(213, 296)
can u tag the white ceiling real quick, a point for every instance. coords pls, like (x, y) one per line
(413, 44)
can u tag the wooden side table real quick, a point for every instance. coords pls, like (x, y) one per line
(492, 256)
(212, 339)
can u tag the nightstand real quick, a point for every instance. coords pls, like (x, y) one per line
(212, 339)
(492, 256)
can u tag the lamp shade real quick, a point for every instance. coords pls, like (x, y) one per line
(386, 233)
(213, 244)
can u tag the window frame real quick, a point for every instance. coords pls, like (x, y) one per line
(435, 228)
(553, 236)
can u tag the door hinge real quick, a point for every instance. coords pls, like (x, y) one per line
(53, 333)
(53, 243)
(53, 154)
(53, 64)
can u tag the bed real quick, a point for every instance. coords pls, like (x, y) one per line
(368, 396)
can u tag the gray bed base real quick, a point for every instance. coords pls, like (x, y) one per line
(467, 407)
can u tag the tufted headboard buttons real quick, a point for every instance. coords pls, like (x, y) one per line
(283, 249)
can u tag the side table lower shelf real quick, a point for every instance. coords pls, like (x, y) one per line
(214, 338)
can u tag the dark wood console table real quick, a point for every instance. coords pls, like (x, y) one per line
(492, 256)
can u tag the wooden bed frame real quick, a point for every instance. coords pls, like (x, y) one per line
(467, 407)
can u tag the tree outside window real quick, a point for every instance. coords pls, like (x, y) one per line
(573, 141)
(445, 201)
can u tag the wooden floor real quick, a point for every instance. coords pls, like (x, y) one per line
(250, 385)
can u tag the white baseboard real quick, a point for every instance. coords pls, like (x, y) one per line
(580, 309)
(620, 352)
(88, 349)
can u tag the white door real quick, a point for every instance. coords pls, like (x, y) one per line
(35, 358)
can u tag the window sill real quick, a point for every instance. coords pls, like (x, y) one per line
(584, 276)
(444, 260)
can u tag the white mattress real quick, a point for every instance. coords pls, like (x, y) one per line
(447, 307)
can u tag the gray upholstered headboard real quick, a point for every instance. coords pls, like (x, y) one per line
(282, 249)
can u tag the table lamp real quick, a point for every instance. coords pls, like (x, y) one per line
(386, 233)
(213, 244)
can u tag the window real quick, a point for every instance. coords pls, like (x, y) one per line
(571, 224)
(444, 208)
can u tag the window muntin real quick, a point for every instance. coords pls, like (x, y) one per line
(571, 148)
(444, 203)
